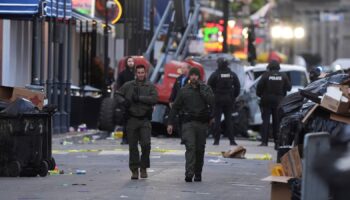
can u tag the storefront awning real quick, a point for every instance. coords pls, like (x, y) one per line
(19, 7)
(59, 8)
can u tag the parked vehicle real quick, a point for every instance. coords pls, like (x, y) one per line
(240, 116)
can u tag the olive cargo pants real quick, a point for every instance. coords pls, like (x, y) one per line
(194, 134)
(139, 131)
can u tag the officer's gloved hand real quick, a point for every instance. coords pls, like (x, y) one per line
(135, 97)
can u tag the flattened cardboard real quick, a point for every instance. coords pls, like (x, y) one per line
(340, 118)
(307, 116)
(12, 93)
(291, 163)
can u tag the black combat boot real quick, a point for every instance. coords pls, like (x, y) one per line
(143, 173)
(197, 177)
(233, 143)
(134, 174)
(188, 178)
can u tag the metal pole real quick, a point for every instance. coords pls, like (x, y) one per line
(56, 54)
(105, 34)
(63, 50)
(49, 80)
(35, 53)
(42, 52)
(69, 73)
(226, 13)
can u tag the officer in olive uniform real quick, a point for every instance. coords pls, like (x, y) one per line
(142, 95)
(196, 101)
(271, 88)
(226, 87)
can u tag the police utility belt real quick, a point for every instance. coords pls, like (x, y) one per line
(147, 116)
(189, 118)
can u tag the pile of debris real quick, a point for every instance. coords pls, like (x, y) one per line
(322, 106)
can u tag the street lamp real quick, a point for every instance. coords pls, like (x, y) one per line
(288, 33)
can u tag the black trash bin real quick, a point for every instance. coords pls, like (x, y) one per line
(26, 144)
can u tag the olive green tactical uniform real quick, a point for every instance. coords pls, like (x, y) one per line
(139, 120)
(196, 104)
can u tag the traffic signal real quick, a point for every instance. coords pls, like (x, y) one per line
(251, 45)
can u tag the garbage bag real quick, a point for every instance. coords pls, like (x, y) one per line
(290, 126)
(319, 123)
(290, 104)
(295, 186)
(342, 136)
(19, 106)
(319, 87)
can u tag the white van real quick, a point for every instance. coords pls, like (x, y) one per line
(298, 76)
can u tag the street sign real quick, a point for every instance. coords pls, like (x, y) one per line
(119, 12)
(331, 17)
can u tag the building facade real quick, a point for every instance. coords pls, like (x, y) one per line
(326, 23)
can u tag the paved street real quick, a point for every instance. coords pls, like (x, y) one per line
(108, 177)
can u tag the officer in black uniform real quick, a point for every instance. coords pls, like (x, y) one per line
(271, 88)
(226, 87)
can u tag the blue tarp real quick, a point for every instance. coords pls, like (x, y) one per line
(64, 8)
(19, 7)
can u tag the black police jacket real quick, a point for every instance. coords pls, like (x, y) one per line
(225, 85)
(272, 87)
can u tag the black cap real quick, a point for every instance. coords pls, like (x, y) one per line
(273, 65)
(195, 71)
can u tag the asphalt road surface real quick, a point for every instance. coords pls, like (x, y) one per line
(108, 177)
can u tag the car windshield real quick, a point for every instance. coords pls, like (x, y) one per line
(297, 78)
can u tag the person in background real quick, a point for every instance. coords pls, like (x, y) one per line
(315, 73)
(271, 88)
(180, 82)
(226, 87)
(126, 75)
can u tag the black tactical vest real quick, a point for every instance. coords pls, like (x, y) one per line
(224, 84)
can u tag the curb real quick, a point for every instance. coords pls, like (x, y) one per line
(75, 137)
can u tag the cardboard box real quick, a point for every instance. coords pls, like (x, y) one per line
(12, 93)
(334, 100)
(309, 113)
(291, 163)
(280, 190)
(340, 118)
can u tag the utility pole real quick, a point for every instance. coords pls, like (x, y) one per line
(225, 10)
(105, 35)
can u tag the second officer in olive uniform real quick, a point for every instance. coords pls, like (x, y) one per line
(196, 101)
(142, 95)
